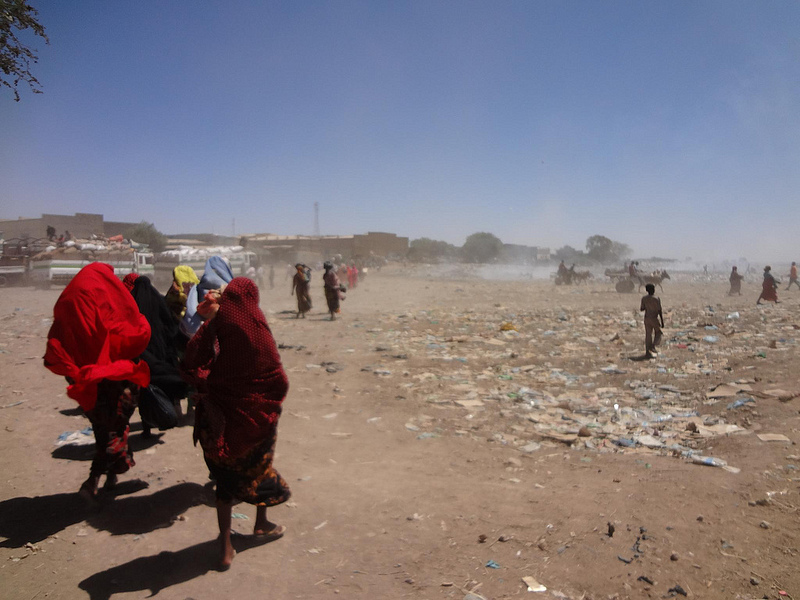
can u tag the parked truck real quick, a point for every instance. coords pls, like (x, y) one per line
(60, 265)
(14, 255)
(239, 259)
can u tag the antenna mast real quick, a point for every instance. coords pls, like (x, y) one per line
(316, 219)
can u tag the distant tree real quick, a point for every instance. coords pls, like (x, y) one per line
(600, 248)
(481, 247)
(428, 250)
(146, 233)
(566, 252)
(620, 250)
(605, 250)
(15, 56)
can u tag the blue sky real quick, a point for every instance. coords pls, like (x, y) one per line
(671, 126)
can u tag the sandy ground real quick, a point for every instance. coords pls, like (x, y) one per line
(395, 485)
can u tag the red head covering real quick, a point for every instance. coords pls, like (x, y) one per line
(247, 383)
(129, 280)
(97, 330)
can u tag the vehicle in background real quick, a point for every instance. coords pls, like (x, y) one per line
(61, 264)
(239, 259)
(14, 258)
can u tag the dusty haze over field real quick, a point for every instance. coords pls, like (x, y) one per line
(671, 127)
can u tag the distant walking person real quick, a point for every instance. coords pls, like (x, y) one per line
(651, 305)
(272, 277)
(352, 275)
(260, 277)
(769, 287)
(333, 289)
(633, 273)
(793, 276)
(736, 282)
(300, 284)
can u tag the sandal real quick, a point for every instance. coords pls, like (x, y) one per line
(275, 533)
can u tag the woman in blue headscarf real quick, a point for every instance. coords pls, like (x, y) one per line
(201, 301)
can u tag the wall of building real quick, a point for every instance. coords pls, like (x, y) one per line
(380, 244)
(79, 225)
(22, 228)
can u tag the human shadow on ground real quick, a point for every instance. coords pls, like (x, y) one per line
(143, 514)
(86, 452)
(75, 411)
(641, 357)
(25, 519)
(160, 571)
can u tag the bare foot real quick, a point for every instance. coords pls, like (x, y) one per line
(226, 553)
(88, 489)
(111, 481)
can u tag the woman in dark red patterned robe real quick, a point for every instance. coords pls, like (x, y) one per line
(236, 423)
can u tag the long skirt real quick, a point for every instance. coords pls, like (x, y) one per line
(303, 301)
(332, 298)
(251, 478)
(110, 419)
(768, 292)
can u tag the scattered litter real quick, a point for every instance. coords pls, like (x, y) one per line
(533, 585)
(241, 516)
(709, 461)
(773, 437)
(492, 565)
(677, 590)
(84, 437)
(741, 402)
(13, 404)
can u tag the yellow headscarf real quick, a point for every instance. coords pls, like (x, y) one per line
(183, 274)
(183, 278)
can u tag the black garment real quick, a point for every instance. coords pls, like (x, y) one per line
(166, 340)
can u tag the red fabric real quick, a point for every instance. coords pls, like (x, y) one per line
(246, 383)
(97, 330)
(129, 280)
(768, 291)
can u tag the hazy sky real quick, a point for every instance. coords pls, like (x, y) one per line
(671, 126)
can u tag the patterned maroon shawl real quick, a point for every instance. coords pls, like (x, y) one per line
(247, 383)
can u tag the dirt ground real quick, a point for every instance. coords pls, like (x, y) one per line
(401, 492)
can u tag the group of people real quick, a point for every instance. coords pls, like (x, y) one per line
(335, 292)
(769, 284)
(118, 343)
(257, 274)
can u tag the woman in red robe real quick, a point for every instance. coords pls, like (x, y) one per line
(769, 287)
(96, 337)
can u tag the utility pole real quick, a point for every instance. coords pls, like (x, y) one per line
(316, 219)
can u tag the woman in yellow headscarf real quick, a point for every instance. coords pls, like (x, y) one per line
(183, 278)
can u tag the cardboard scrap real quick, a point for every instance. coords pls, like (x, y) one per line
(469, 403)
(533, 585)
(773, 437)
(726, 390)
(782, 395)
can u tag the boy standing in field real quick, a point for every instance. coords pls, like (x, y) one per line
(651, 305)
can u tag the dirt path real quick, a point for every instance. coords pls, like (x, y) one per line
(394, 483)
